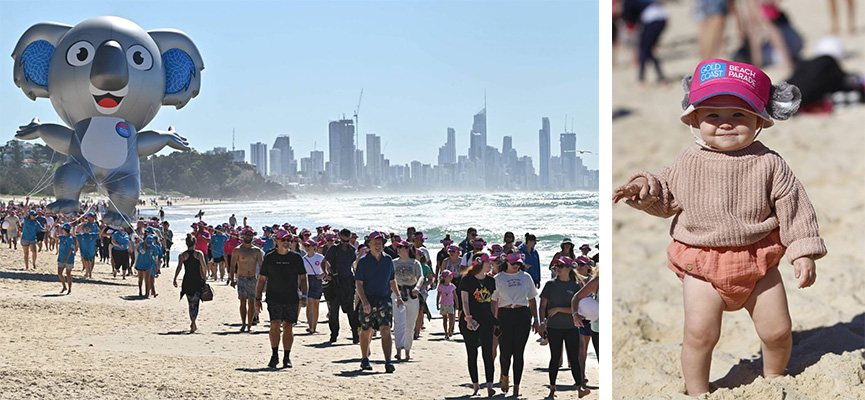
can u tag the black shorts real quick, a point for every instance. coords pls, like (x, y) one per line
(285, 312)
(40, 236)
(219, 259)
(380, 315)
(121, 258)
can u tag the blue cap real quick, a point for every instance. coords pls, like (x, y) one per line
(150, 229)
(33, 212)
(149, 239)
(91, 214)
(67, 227)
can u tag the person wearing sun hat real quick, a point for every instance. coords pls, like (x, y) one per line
(739, 208)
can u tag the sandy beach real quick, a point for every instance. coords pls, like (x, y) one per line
(103, 342)
(825, 153)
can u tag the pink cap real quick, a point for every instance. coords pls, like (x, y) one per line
(717, 77)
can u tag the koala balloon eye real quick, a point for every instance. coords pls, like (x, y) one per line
(139, 58)
(80, 53)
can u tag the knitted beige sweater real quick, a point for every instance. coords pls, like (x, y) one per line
(724, 199)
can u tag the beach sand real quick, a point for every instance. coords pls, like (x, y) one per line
(103, 342)
(825, 153)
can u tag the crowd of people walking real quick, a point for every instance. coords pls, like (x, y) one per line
(490, 295)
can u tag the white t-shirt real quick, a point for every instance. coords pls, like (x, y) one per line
(514, 289)
(425, 253)
(313, 264)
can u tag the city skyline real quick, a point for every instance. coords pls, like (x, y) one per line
(482, 165)
(423, 66)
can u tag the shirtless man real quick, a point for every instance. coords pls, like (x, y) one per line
(244, 260)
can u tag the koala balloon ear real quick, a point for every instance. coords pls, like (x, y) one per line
(784, 100)
(32, 57)
(686, 84)
(182, 63)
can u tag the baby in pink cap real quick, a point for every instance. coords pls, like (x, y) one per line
(738, 209)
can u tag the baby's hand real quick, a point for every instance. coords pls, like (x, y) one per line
(806, 271)
(635, 192)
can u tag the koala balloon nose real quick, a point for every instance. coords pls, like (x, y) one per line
(109, 70)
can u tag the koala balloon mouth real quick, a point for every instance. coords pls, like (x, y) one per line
(107, 100)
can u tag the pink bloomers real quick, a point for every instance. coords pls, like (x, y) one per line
(732, 271)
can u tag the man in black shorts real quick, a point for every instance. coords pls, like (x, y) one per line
(375, 284)
(282, 271)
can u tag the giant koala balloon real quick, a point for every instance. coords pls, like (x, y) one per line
(106, 78)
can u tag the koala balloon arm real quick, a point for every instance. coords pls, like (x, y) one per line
(150, 142)
(57, 137)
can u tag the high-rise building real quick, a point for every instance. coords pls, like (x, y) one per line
(341, 146)
(276, 162)
(358, 159)
(509, 154)
(317, 157)
(568, 146)
(544, 134)
(287, 165)
(373, 158)
(258, 157)
(448, 152)
(478, 139)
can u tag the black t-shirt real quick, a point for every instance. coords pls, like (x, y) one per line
(389, 250)
(282, 271)
(340, 261)
(441, 255)
(480, 297)
(559, 294)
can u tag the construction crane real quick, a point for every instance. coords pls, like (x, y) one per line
(356, 126)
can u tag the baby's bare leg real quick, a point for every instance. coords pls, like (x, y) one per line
(768, 308)
(703, 309)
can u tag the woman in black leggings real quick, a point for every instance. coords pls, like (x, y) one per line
(476, 318)
(557, 320)
(517, 315)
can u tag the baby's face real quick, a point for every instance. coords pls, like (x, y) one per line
(727, 129)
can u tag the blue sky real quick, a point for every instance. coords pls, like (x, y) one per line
(289, 67)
